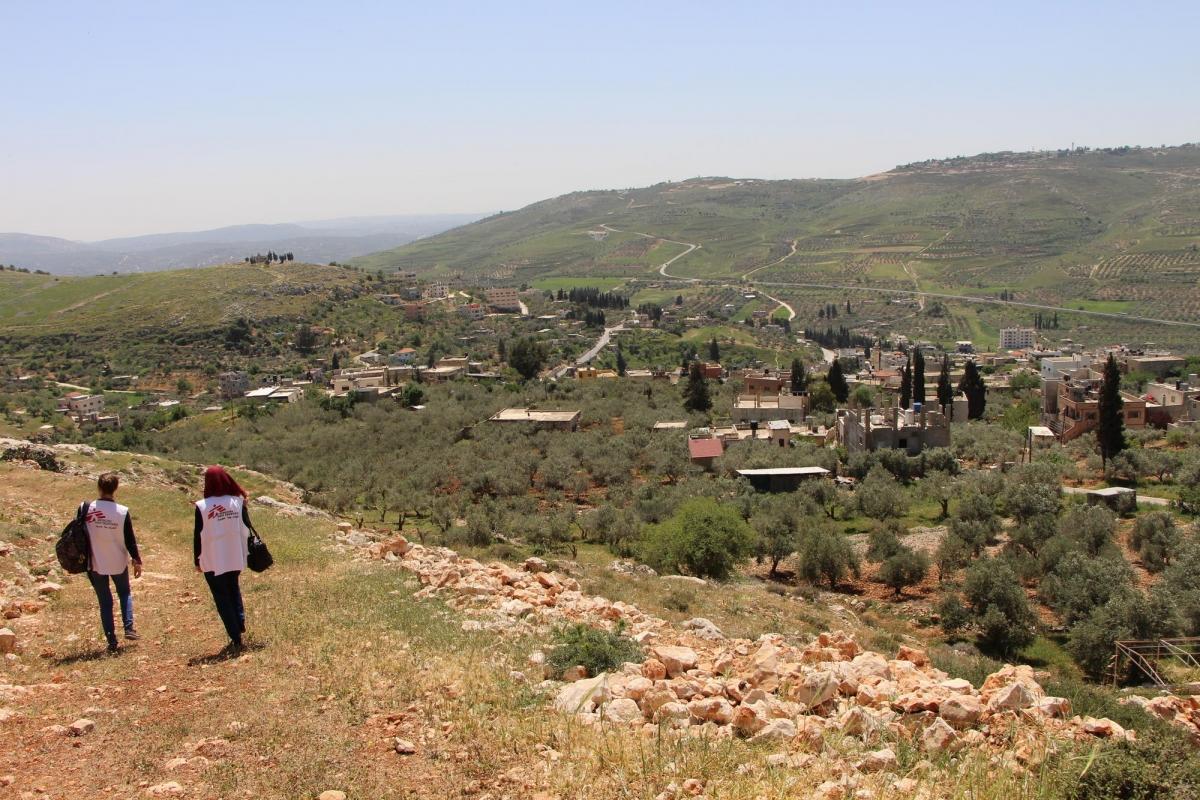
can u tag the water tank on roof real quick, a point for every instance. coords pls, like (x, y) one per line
(916, 408)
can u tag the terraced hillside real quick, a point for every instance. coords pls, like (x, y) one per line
(139, 320)
(1098, 226)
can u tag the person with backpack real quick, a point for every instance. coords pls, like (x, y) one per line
(112, 546)
(220, 547)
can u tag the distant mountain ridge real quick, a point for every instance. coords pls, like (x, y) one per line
(318, 241)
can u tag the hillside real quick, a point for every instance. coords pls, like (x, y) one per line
(320, 241)
(161, 318)
(357, 680)
(1117, 226)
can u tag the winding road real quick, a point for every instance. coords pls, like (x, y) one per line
(662, 270)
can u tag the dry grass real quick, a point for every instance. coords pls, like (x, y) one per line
(345, 660)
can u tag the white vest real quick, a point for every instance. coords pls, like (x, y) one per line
(223, 537)
(106, 532)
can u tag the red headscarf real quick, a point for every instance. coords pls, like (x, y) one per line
(219, 483)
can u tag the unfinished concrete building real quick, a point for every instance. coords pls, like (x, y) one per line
(911, 430)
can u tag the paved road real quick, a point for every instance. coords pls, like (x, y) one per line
(524, 308)
(594, 351)
(1141, 498)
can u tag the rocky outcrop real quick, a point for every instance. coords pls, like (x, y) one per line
(769, 689)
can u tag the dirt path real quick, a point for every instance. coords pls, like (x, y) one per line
(792, 252)
(663, 268)
(301, 711)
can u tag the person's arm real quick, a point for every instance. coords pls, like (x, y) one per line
(196, 538)
(246, 516)
(131, 546)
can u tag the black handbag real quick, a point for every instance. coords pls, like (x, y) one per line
(258, 557)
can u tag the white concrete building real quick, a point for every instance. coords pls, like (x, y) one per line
(1017, 338)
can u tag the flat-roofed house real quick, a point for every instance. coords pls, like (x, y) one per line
(546, 420)
(781, 479)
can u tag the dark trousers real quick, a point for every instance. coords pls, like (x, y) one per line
(228, 598)
(104, 595)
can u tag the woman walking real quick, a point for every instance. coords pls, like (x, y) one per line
(220, 548)
(113, 546)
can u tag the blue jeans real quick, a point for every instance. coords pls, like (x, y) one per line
(228, 598)
(104, 595)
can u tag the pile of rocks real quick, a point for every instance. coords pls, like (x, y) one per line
(1181, 711)
(767, 689)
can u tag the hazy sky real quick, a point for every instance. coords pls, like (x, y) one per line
(124, 118)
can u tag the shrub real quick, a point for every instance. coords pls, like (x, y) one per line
(1091, 526)
(1160, 765)
(705, 539)
(1127, 615)
(907, 567)
(597, 650)
(1156, 539)
(999, 607)
(879, 496)
(1079, 584)
(953, 615)
(827, 554)
(884, 542)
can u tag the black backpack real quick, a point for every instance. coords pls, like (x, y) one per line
(74, 546)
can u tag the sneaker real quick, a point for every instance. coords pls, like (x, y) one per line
(112, 648)
(131, 635)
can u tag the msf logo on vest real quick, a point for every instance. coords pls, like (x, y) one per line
(219, 511)
(99, 519)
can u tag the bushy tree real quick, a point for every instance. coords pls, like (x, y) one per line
(1127, 615)
(939, 487)
(879, 496)
(906, 567)
(777, 525)
(826, 553)
(975, 521)
(1092, 527)
(526, 356)
(821, 398)
(1180, 585)
(703, 538)
(1078, 585)
(999, 608)
(1156, 539)
(884, 542)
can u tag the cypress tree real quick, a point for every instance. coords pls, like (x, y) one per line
(1110, 428)
(714, 351)
(799, 377)
(918, 378)
(695, 393)
(972, 386)
(837, 381)
(906, 385)
(620, 361)
(945, 394)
